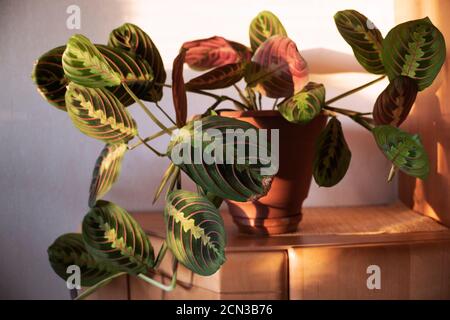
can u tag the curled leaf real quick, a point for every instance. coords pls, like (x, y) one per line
(106, 171)
(305, 105)
(179, 89)
(394, 103)
(85, 65)
(195, 232)
(113, 237)
(130, 37)
(404, 150)
(364, 38)
(204, 54)
(97, 113)
(218, 78)
(332, 155)
(69, 250)
(264, 26)
(277, 69)
(415, 49)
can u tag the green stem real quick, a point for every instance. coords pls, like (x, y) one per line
(346, 112)
(150, 138)
(158, 284)
(345, 94)
(97, 286)
(159, 154)
(146, 110)
(165, 113)
(241, 95)
(162, 252)
(354, 115)
(392, 173)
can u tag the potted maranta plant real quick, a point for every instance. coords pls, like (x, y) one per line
(96, 83)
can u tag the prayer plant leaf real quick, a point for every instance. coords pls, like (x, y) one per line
(332, 155)
(85, 65)
(305, 105)
(277, 69)
(179, 89)
(205, 54)
(106, 171)
(195, 232)
(218, 78)
(68, 250)
(113, 237)
(364, 38)
(131, 38)
(241, 178)
(404, 150)
(48, 75)
(264, 26)
(394, 103)
(415, 49)
(97, 113)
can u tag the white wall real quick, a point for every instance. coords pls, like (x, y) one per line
(46, 164)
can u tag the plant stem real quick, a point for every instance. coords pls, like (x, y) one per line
(354, 115)
(346, 112)
(97, 286)
(165, 113)
(345, 94)
(275, 103)
(150, 138)
(260, 100)
(146, 110)
(162, 252)
(158, 284)
(159, 154)
(241, 95)
(392, 173)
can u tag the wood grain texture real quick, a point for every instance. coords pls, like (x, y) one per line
(326, 258)
(430, 117)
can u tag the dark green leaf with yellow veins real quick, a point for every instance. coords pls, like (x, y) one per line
(264, 26)
(332, 155)
(97, 113)
(364, 38)
(113, 237)
(68, 250)
(195, 232)
(305, 105)
(404, 150)
(415, 49)
(85, 65)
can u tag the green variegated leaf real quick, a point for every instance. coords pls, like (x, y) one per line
(305, 105)
(332, 155)
(364, 38)
(218, 78)
(415, 49)
(68, 250)
(113, 237)
(48, 75)
(106, 171)
(394, 103)
(264, 26)
(228, 173)
(205, 54)
(404, 150)
(130, 37)
(195, 232)
(85, 65)
(99, 114)
(277, 69)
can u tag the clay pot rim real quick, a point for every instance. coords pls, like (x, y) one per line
(255, 114)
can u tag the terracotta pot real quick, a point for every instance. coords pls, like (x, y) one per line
(280, 210)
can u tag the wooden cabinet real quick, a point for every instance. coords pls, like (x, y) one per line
(328, 258)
